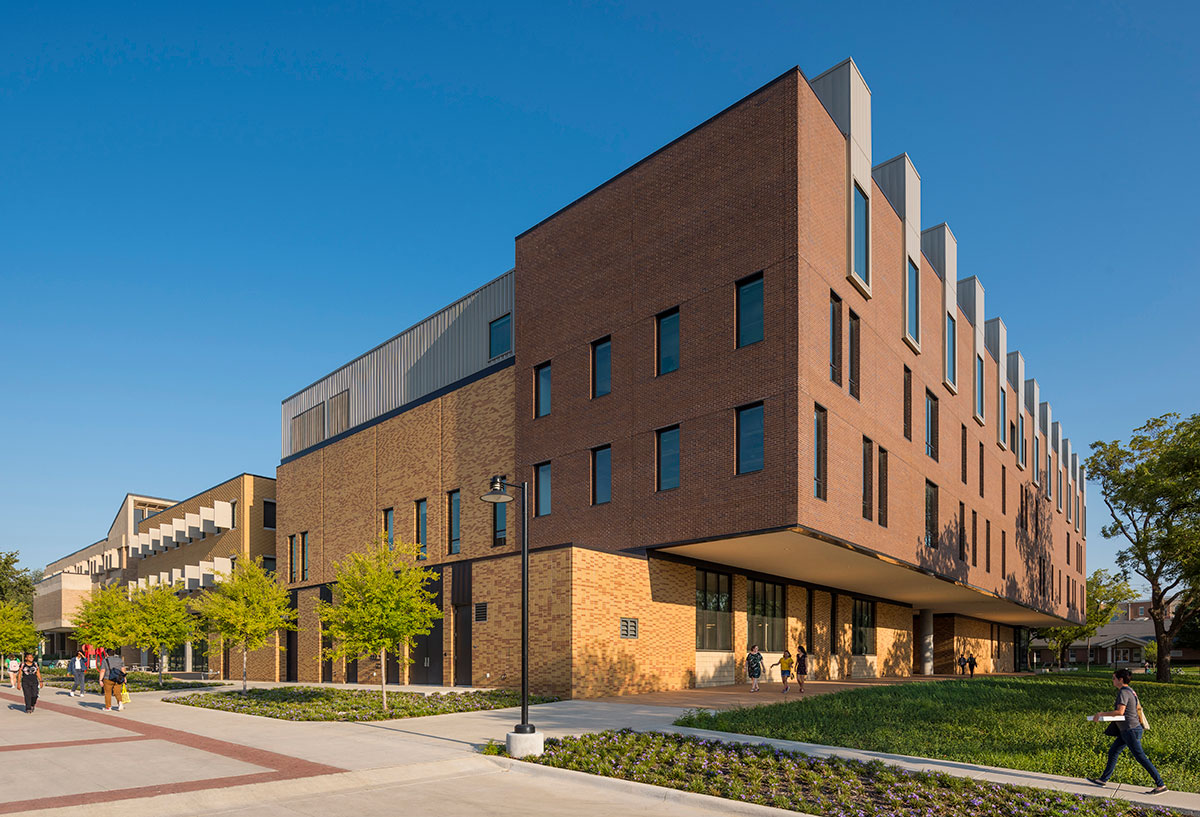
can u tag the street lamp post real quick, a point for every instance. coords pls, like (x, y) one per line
(524, 739)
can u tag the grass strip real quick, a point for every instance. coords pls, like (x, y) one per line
(136, 681)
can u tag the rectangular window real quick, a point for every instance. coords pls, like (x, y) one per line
(749, 431)
(389, 527)
(833, 624)
(951, 350)
(913, 321)
(987, 545)
(1068, 550)
(304, 556)
(1003, 489)
(1003, 418)
(601, 367)
(293, 561)
(883, 487)
(979, 386)
(1060, 491)
(964, 455)
(500, 336)
(962, 532)
(749, 297)
(868, 471)
(766, 619)
(499, 523)
(421, 518)
(667, 341)
(1004, 554)
(862, 227)
(931, 514)
(233, 514)
(541, 489)
(1049, 479)
(1012, 436)
(269, 514)
(820, 441)
(268, 563)
(855, 354)
(931, 425)
(541, 390)
(981, 469)
(1036, 456)
(974, 539)
(667, 458)
(835, 338)
(907, 403)
(454, 526)
(714, 611)
(601, 475)
(863, 639)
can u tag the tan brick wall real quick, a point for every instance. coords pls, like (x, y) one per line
(893, 639)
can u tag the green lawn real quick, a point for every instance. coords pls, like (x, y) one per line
(336, 704)
(1032, 723)
(831, 787)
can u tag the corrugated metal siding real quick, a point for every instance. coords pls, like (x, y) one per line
(339, 412)
(442, 349)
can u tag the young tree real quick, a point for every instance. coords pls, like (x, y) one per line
(1105, 592)
(246, 608)
(105, 618)
(381, 602)
(17, 635)
(161, 622)
(1152, 490)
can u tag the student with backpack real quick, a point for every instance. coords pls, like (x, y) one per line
(14, 668)
(112, 679)
(1127, 731)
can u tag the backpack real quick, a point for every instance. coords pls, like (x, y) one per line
(115, 674)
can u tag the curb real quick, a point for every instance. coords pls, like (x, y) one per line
(665, 794)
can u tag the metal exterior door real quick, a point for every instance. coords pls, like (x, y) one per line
(462, 645)
(426, 667)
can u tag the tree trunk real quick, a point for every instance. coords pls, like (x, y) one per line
(244, 651)
(1162, 661)
(162, 652)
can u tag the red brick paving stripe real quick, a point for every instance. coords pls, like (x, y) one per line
(92, 797)
(58, 744)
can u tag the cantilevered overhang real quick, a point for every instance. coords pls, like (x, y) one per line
(811, 558)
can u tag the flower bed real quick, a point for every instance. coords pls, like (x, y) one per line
(135, 681)
(335, 704)
(831, 787)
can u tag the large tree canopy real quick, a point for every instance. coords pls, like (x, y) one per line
(16, 583)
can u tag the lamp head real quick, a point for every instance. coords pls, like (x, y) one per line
(497, 492)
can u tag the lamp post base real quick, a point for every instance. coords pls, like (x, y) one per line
(524, 744)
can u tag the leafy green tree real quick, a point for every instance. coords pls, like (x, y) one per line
(17, 635)
(105, 618)
(1150, 651)
(381, 602)
(1105, 592)
(161, 621)
(1152, 490)
(16, 583)
(246, 608)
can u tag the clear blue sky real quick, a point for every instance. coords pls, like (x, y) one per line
(204, 208)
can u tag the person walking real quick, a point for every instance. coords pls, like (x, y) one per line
(78, 666)
(31, 682)
(14, 668)
(754, 665)
(962, 665)
(801, 667)
(1127, 731)
(785, 669)
(972, 663)
(112, 678)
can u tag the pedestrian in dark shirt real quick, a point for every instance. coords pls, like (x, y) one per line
(962, 665)
(31, 682)
(754, 665)
(1127, 731)
(972, 663)
(801, 666)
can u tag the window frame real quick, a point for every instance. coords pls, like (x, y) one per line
(389, 526)
(595, 456)
(820, 452)
(721, 617)
(540, 389)
(421, 527)
(859, 199)
(771, 635)
(453, 521)
(596, 345)
(932, 522)
(540, 477)
(740, 288)
(507, 318)
(868, 478)
(863, 627)
(835, 338)
(931, 425)
(951, 351)
(738, 427)
(912, 305)
(854, 376)
(659, 320)
(659, 435)
(275, 512)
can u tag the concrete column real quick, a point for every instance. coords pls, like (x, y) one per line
(925, 622)
(187, 657)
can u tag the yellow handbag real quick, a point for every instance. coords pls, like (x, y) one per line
(124, 693)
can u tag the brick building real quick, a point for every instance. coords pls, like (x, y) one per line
(753, 402)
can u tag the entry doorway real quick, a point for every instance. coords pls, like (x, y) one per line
(462, 645)
(426, 666)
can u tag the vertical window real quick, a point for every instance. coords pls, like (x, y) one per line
(766, 621)
(1012, 436)
(541, 390)
(808, 620)
(862, 227)
(1003, 489)
(931, 425)
(962, 532)
(964, 455)
(981, 469)
(907, 403)
(979, 386)
(601, 367)
(667, 458)
(500, 336)
(541, 489)
(749, 432)
(931, 514)
(269, 514)
(304, 556)
(454, 527)
(987, 545)
(1049, 479)
(913, 322)
(499, 523)
(951, 350)
(855, 354)
(863, 639)
(1060, 491)
(233, 514)
(293, 561)
(883, 487)
(1004, 554)
(1003, 418)
(835, 338)
(750, 310)
(868, 470)
(714, 611)
(601, 475)
(421, 527)
(1068, 550)
(667, 341)
(833, 624)
(389, 527)
(820, 445)
(1036, 456)
(974, 539)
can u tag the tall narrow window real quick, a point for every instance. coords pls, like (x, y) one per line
(1004, 554)
(1060, 491)
(454, 526)
(233, 514)
(979, 386)
(931, 425)
(1037, 463)
(749, 431)
(862, 640)
(293, 561)
(964, 455)
(268, 507)
(987, 545)
(974, 539)
(750, 310)
(541, 489)
(1049, 479)
(913, 321)
(389, 527)
(422, 528)
(500, 336)
(766, 619)
(1068, 550)
(868, 472)
(820, 441)
(304, 556)
(1003, 489)
(714, 611)
(1003, 418)
(962, 532)
(835, 338)
(862, 227)
(601, 367)
(541, 390)
(667, 458)
(1021, 437)
(981, 469)
(883, 487)
(907, 403)
(667, 341)
(855, 354)
(499, 523)
(931, 514)
(951, 350)
(601, 475)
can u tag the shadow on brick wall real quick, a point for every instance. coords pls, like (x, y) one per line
(601, 670)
